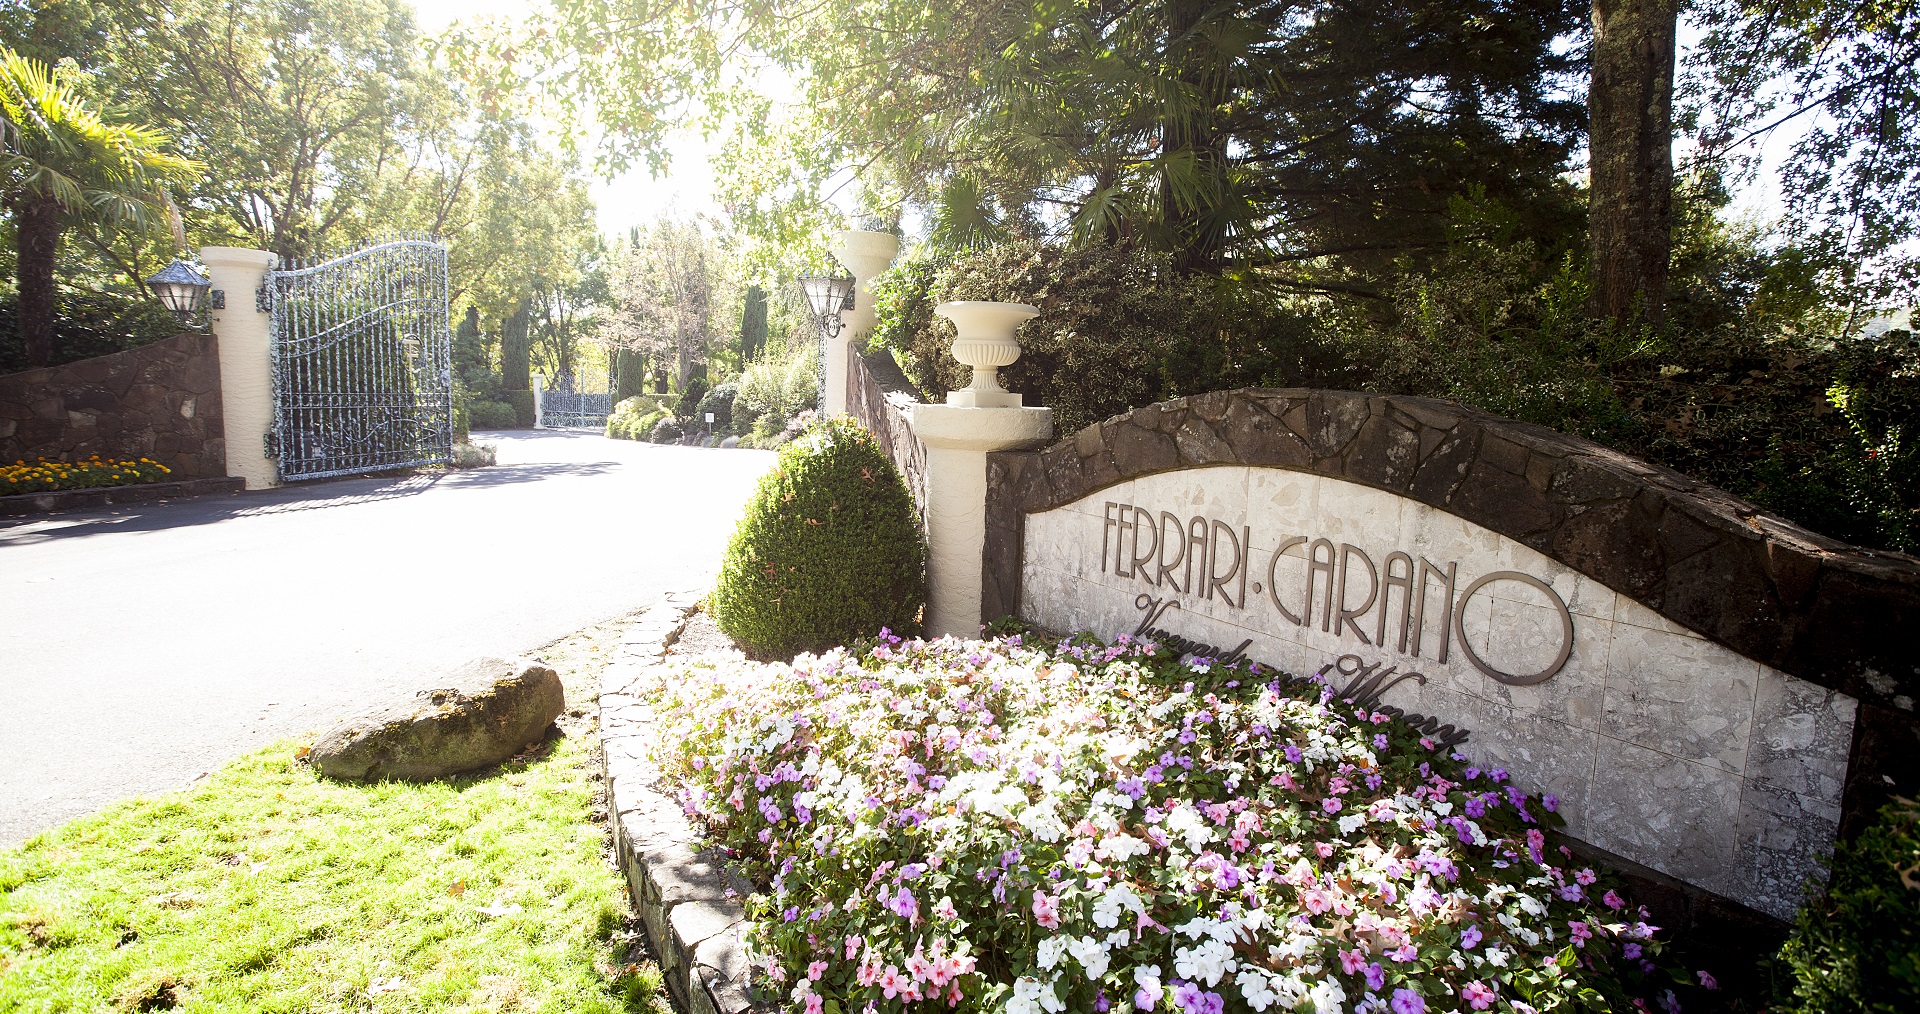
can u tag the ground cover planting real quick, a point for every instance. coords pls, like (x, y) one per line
(94, 472)
(1042, 826)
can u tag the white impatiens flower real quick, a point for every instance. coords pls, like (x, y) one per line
(1121, 847)
(1108, 906)
(1092, 955)
(1351, 821)
(1328, 997)
(1050, 951)
(1026, 996)
(1186, 822)
(1204, 962)
(1496, 957)
(1257, 990)
(1043, 822)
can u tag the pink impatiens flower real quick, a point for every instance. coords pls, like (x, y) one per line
(1477, 995)
(1317, 901)
(1046, 910)
(1353, 962)
(892, 983)
(814, 1003)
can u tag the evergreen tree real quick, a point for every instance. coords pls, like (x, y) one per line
(516, 371)
(753, 324)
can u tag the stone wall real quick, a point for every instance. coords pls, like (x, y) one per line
(880, 397)
(1737, 687)
(159, 401)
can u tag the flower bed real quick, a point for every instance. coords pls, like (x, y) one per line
(44, 476)
(1076, 826)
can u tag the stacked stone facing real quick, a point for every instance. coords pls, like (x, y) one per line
(689, 901)
(159, 401)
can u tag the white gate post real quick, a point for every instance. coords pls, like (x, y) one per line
(958, 436)
(244, 336)
(539, 385)
(866, 254)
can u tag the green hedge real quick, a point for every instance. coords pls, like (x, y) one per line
(828, 552)
(1857, 949)
(522, 404)
(491, 415)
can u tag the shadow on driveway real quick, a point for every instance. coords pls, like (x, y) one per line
(320, 495)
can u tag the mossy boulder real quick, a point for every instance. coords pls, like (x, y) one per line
(829, 551)
(475, 716)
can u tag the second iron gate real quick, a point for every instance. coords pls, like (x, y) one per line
(362, 370)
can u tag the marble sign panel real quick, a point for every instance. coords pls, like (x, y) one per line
(1664, 747)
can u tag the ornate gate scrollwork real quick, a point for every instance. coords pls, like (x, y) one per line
(362, 370)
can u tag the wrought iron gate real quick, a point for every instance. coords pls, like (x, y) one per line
(570, 405)
(362, 372)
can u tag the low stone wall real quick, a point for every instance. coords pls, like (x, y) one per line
(159, 401)
(688, 900)
(881, 398)
(80, 499)
(1731, 690)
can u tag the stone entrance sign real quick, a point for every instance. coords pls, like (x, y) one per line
(1664, 747)
(1713, 693)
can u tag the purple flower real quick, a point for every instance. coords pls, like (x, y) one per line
(1143, 1000)
(1470, 937)
(1406, 1001)
(790, 914)
(904, 905)
(1376, 976)
(1293, 754)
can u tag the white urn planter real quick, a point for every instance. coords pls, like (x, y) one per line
(985, 342)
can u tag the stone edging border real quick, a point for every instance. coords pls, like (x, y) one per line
(21, 504)
(688, 900)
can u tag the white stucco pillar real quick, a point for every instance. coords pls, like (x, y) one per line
(539, 385)
(245, 339)
(958, 437)
(866, 254)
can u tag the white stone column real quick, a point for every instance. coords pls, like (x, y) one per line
(866, 254)
(539, 385)
(245, 340)
(958, 437)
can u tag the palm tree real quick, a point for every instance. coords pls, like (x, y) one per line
(62, 162)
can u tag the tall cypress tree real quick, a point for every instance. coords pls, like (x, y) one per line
(753, 324)
(516, 369)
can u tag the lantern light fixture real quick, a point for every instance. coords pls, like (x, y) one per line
(181, 288)
(827, 295)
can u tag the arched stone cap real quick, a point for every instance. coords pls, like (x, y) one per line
(1828, 612)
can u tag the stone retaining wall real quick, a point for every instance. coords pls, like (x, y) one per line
(1723, 573)
(688, 900)
(78, 499)
(159, 401)
(881, 398)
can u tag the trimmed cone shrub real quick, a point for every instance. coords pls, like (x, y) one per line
(829, 550)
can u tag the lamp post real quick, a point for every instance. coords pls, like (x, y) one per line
(181, 288)
(827, 295)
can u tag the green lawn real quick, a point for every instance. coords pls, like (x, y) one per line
(265, 888)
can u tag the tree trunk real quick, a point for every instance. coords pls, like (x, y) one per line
(1630, 145)
(38, 221)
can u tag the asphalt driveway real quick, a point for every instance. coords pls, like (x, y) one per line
(143, 645)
